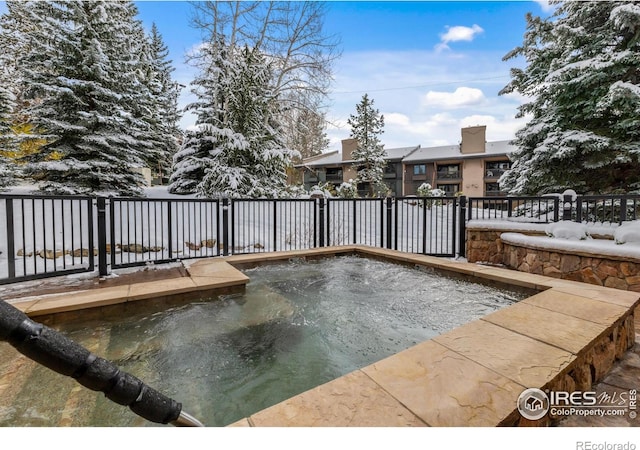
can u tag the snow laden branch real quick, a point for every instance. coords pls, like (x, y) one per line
(236, 149)
(582, 84)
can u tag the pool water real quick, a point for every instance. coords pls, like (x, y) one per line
(299, 324)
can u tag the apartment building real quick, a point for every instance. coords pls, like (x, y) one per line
(473, 167)
(337, 167)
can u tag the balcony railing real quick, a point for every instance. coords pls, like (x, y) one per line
(334, 177)
(448, 175)
(494, 173)
(495, 194)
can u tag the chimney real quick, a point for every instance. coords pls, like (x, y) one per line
(473, 139)
(348, 146)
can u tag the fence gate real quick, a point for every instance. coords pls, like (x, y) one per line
(426, 225)
(429, 226)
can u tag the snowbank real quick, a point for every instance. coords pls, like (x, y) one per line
(628, 232)
(567, 230)
(604, 229)
(596, 247)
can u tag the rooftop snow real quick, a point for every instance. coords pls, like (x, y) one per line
(453, 152)
(335, 157)
(417, 153)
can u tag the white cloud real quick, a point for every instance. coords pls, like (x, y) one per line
(461, 97)
(498, 128)
(458, 33)
(397, 119)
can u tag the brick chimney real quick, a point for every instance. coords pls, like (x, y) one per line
(473, 139)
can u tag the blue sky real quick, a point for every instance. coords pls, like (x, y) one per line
(430, 67)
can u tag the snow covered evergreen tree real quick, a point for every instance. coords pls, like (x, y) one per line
(366, 127)
(236, 150)
(211, 85)
(7, 138)
(582, 79)
(80, 68)
(157, 101)
(15, 45)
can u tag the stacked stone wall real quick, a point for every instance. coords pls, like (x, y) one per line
(592, 269)
(485, 246)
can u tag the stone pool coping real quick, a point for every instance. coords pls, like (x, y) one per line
(565, 337)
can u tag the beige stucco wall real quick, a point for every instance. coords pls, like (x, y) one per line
(348, 172)
(473, 177)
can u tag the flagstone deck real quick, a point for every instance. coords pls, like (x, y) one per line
(566, 337)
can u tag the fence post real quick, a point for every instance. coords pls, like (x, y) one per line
(275, 225)
(389, 221)
(462, 227)
(170, 229)
(567, 203)
(11, 250)
(623, 209)
(321, 221)
(103, 269)
(225, 227)
(556, 209)
(382, 221)
(355, 216)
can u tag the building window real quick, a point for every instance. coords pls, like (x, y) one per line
(448, 171)
(334, 174)
(420, 169)
(495, 169)
(390, 170)
(449, 189)
(492, 190)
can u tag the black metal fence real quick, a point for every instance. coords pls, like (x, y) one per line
(613, 209)
(42, 236)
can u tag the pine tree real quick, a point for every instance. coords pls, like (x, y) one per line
(14, 25)
(211, 87)
(236, 150)
(164, 91)
(7, 139)
(301, 53)
(81, 71)
(582, 75)
(366, 127)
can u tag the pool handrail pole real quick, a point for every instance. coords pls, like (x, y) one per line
(62, 355)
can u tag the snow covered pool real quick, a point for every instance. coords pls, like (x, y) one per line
(227, 359)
